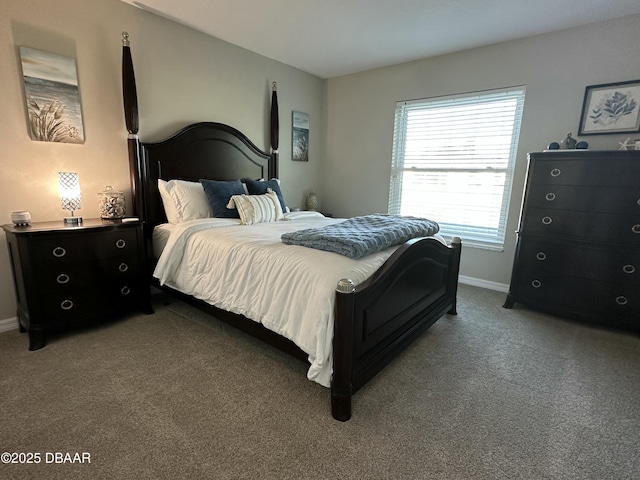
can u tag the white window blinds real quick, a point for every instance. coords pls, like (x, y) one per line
(453, 160)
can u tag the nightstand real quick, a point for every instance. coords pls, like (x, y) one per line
(76, 275)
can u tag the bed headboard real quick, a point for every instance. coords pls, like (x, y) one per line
(202, 150)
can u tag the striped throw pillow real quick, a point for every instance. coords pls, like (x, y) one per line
(257, 208)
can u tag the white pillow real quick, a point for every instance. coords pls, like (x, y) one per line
(257, 208)
(183, 200)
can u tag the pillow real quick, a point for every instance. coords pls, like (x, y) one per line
(259, 187)
(219, 193)
(257, 208)
(170, 209)
(183, 200)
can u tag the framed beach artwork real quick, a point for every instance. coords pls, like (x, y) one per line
(52, 97)
(611, 108)
(300, 136)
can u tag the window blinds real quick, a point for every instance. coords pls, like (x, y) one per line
(453, 160)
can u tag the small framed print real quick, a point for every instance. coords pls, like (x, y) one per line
(300, 136)
(611, 108)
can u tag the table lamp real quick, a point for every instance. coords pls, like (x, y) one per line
(70, 199)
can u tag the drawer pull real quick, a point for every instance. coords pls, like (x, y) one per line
(120, 243)
(550, 197)
(66, 305)
(123, 267)
(629, 269)
(536, 284)
(622, 300)
(556, 172)
(64, 278)
(636, 228)
(125, 290)
(541, 256)
(547, 220)
(59, 252)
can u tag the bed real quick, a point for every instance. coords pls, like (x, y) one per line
(372, 318)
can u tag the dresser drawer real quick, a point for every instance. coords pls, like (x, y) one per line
(580, 297)
(615, 200)
(593, 263)
(602, 171)
(55, 250)
(586, 225)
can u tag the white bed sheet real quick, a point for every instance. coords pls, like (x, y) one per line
(246, 269)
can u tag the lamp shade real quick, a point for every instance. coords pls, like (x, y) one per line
(69, 184)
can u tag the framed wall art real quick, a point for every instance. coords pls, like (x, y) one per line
(611, 108)
(300, 136)
(51, 96)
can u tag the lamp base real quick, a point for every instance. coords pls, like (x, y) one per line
(72, 221)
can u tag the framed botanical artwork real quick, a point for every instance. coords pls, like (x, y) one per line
(51, 96)
(300, 136)
(611, 108)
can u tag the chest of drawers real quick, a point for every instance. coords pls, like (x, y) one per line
(578, 245)
(76, 275)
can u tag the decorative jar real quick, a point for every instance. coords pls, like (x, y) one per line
(111, 204)
(312, 201)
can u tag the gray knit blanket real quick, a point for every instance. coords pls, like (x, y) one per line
(360, 236)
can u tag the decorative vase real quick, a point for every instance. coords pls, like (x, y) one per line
(111, 204)
(312, 201)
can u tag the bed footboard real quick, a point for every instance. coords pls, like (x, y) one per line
(380, 317)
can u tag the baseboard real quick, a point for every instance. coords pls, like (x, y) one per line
(8, 324)
(478, 282)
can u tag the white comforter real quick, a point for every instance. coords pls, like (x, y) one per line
(246, 269)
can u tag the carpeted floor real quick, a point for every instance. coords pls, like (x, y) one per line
(488, 394)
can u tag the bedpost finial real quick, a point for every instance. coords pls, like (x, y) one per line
(346, 285)
(274, 86)
(125, 39)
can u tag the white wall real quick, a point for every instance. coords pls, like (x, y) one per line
(183, 76)
(555, 68)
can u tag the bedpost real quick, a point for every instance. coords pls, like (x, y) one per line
(454, 269)
(130, 100)
(341, 382)
(275, 132)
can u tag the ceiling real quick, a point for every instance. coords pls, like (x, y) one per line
(329, 38)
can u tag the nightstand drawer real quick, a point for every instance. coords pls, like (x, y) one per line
(77, 275)
(53, 250)
(91, 303)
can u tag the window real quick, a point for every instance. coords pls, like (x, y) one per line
(453, 161)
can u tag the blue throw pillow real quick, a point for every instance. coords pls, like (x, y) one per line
(259, 187)
(219, 193)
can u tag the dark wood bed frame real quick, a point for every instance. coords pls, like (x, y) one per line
(374, 321)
